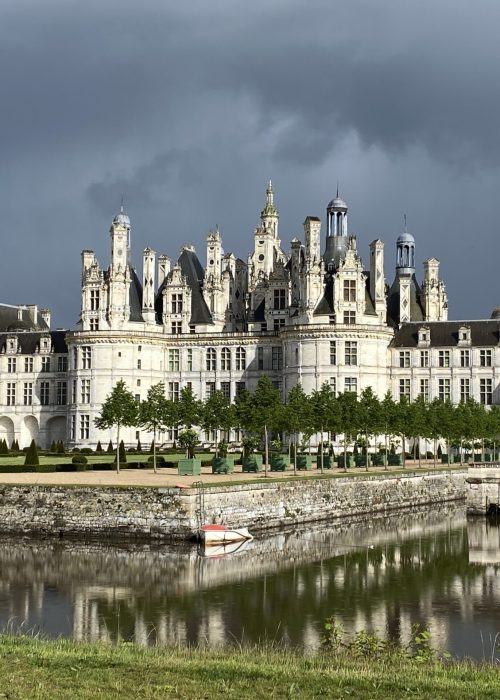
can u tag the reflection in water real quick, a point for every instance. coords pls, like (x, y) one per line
(381, 575)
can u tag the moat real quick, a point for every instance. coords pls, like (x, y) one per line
(433, 567)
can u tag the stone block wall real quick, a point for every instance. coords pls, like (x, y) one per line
(171, 513)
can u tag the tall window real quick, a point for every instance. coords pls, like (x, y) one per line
(464, 358)
(45, 364)
(404, 358)
(174, 362)
(349, 317)
(333, 352)
(190, 359)
(176, 303)
(444, 358)
(75, 358)
(11, 394)
(225, 388)
(73, 427)
(404, 388)
(62, 393)
(62, 363)
(351, 352)
(424, 358)
(260, 358)
(94, 299)
(211, 359)
(225, 359)
(176, 327)
(485, 391)
(240, 388)
(485, 358)
(277, 357)
(209, 389)
(349, 290)
(44, 393)
(351, 384)
(279, 299)
(139, 364)
(444, 389)
(464, 389)
(85, 390)
(173, 391)
(11, 365)
(84, 427)
(28, 394)
(94, 324)
(424, 389)
(86, 357)
(74, 398)
(278, 324)
(28, 364)
(241, 358)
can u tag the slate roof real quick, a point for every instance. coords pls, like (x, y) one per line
(135, 297)
(9, 320)
(445, 333)
(416, 308)
(29, 341)
(325, 304)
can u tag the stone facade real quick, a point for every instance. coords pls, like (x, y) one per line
(173, 513)
(309, 315)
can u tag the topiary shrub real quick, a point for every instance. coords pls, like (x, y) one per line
(4, 450)
(15, 446)
(139, 446)
(86, 450)
(98, 448)
(110, 448)
(46, 468)
(32, 456)
(160, 461)
(61, 450)
(53, 446)
(122, 453)
(79, 459)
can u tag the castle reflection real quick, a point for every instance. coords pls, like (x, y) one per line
(384, 575)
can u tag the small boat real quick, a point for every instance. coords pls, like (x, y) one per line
(218, 534)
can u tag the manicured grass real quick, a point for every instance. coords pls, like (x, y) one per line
(57, 670)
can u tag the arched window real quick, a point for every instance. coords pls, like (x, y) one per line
(225, 359)
(241, 358)
(211, 359)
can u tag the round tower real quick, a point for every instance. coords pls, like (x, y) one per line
(336, 231)
(405, 253)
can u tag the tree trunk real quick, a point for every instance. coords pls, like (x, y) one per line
(322, 450)
(366, 452)
(154, 449)
(345, 452)
(435, 453)
(266, 450)
(404, 451)
(419, 455)
(118, 449)
(482, 449)
(385, 460)
(295, 454)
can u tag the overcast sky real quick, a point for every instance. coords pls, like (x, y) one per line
(188, 108)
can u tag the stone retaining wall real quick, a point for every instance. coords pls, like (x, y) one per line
(171, 513)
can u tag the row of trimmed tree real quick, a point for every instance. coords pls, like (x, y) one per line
(261, 414)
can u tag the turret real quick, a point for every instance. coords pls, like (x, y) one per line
(336, 231)
(269, 215)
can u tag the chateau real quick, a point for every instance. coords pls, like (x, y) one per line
(312, 314)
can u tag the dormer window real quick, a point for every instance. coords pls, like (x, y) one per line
(464, 337)
(424, 336)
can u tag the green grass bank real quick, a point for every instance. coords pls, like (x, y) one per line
(53, 670)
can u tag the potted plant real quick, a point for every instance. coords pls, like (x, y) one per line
(304, 458)
(222, 463)
(251, 462)
(189, 465)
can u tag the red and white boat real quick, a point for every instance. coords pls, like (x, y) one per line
(219, 534)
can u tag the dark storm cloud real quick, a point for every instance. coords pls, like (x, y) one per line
(188, 108)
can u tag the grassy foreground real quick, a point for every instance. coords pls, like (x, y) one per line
(33, 668)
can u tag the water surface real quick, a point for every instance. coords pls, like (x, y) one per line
(430, 567)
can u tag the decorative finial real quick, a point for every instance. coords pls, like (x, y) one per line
(406, 227)
(337, 188)
(121, 206)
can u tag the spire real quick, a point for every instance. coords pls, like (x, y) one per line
(269, 214)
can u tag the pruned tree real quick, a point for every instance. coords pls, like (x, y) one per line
(119, 409)
(156, 413)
